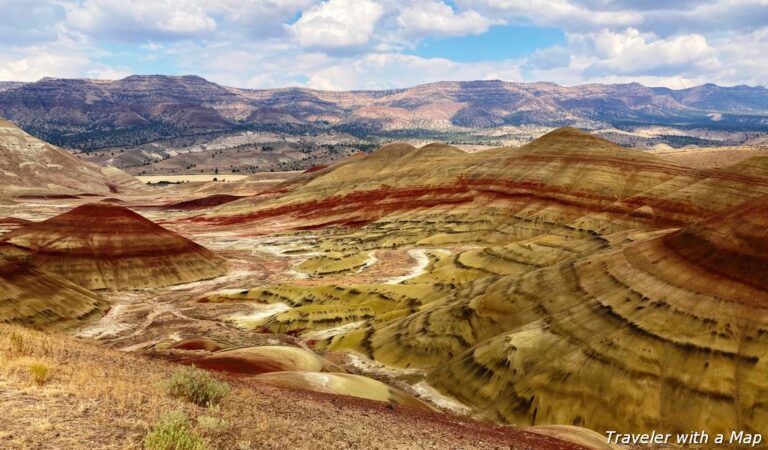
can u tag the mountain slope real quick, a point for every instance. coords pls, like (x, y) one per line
(31, 166)
(124, 398)
(8, 85)
(93, 114)
(564, 176)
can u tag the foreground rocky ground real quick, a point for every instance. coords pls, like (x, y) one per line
(94, 397)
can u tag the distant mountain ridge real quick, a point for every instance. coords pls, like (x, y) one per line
(92, 114)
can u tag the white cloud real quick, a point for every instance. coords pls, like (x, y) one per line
(549, 58)
(742, 58)
(66, 57)
(29, 21)
(633, 52)
(630, 56)
(251, 65)
(437, 18)
(337, 24)
(269, 65)
(258, 11)
(707, 17)
(565, 13)
(662, 17)
(140, 20)
(40, 64)
(259, 19)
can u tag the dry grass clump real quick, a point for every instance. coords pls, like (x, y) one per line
(173, 432)
(212, 426)
(113, 397)
(17, 346)
(40, 372)
(197, 386)
(243, 445)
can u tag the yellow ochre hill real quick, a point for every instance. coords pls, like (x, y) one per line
(31, 297)
(568, 281)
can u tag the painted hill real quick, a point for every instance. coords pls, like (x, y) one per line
(673, 323)
(568, 281)
(140, 109)
(33, 167)
(34, 298)
(562, 176)
(105, 246)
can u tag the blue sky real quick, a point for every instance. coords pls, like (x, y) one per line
(373, 44)
(498, 43)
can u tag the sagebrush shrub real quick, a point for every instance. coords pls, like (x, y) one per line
(197, 386)
(173, 432)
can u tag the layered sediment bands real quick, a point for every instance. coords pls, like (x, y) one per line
(569, 281)
(40, 300)
(687, 199)
(256, 360)
(657, 335)
(342, 384)
(105, 246)
(335, 264)
(30, 166)
(566, 177)
(733, 247)
(329, 307)
(11, 223)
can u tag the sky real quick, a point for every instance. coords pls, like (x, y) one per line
(380, 44)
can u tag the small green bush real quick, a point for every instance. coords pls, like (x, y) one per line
(40, 373)
(196, 386)
(173, 432)
(212, 426)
